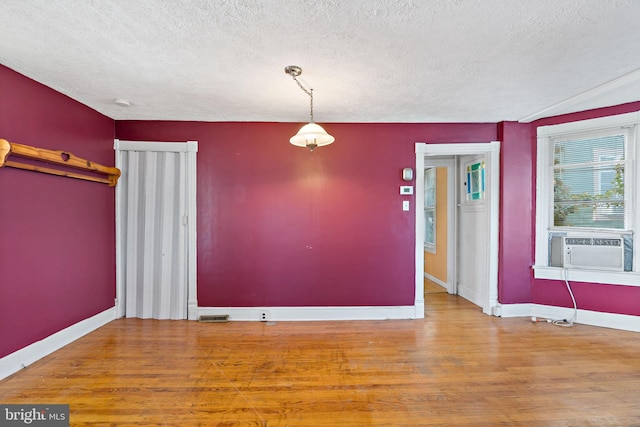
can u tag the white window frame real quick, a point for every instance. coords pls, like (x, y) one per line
(430, 246)
(544, 201)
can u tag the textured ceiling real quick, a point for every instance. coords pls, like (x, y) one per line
(367, 60)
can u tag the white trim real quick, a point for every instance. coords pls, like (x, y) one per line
(492, 152)
(473, 295)
(192, 248)
(623, 322)
(494, 224)
(191, 148)
(420, 232)
(312, 313)
(565, 106)
(24, 357)
(174, 147)
(619, 120)
(452, 225)
(513, 310)
(418, 308)
(120, 256)
(627, 278)
(428, 247)
(457, 149)
(544, 176)
(436, 280)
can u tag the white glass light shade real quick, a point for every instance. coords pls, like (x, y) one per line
(311, 135)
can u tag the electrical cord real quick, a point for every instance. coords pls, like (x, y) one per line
(566, 323)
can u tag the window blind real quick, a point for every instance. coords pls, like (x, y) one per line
(589, 185)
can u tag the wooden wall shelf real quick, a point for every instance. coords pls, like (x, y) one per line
(56, 157)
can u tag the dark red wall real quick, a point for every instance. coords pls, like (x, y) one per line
(280, 226)
(517, 170)
(277, 225)
(57, 235)
(589, 296)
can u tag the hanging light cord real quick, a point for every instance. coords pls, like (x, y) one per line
(308, 92)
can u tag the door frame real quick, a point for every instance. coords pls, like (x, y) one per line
(491, 150)
(191, 149)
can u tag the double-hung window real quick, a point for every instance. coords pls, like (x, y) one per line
(430, 209)
(586, 208)
(589, 180)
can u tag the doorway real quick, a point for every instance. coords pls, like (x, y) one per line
(155, 230)
(484, 272)
(440, 223)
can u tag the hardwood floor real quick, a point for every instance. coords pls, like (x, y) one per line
(431, 287)
(457, 367)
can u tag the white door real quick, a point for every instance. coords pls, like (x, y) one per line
(154, 224)
(473, 242)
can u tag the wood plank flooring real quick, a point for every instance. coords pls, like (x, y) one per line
(431, 287)
(457, 367)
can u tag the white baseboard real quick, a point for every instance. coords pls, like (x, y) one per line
(313, 313)
(623, 322)
(513, 310)
(22, 358)
(470, 295)
(418, 309)
(435, 280)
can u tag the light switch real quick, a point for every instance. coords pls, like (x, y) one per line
(405, 205)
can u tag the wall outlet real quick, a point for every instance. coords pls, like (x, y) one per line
(264, 316)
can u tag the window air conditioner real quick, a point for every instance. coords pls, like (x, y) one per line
(593, 253)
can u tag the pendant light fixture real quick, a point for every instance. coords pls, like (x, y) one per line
(311, 135)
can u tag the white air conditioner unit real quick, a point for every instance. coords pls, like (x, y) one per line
(592, 252)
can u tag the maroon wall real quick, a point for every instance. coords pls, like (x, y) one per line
(589, 296)
(57, 235)
(277, 225)
(517, 174)
(280, 226)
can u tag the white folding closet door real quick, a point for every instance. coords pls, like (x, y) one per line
(153, 216)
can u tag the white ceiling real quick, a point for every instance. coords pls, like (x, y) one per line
(367, 60)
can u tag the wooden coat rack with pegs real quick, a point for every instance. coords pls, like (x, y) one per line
(57, 157)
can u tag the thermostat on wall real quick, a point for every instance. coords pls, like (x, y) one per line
(406, 189)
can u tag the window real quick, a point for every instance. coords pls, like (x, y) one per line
(609, 187)
(585, 196)
(475, 181)
(430, 209)
(588, 179)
